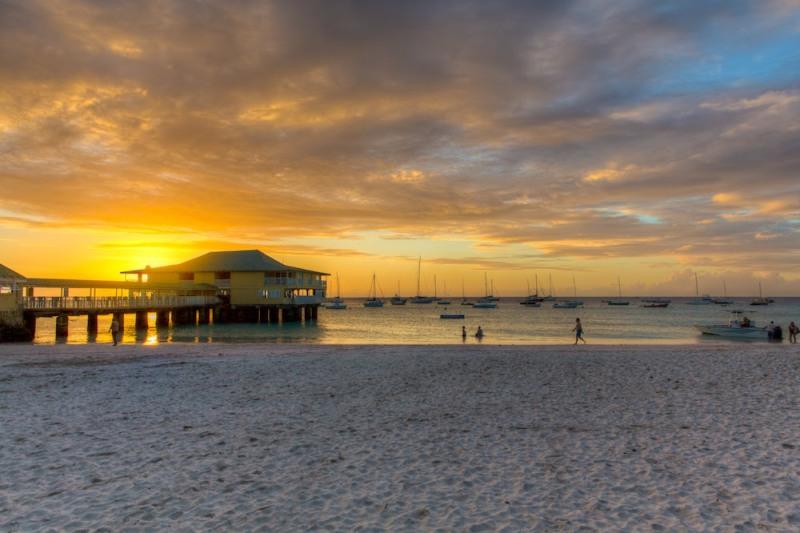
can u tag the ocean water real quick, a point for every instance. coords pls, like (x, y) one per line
(509, 323)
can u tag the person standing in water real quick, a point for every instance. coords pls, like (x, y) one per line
(463, 333)
(114, 329)
(479, 333)
(578, 329)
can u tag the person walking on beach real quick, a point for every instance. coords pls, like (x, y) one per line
(479, 333)
(114, 329)
(463, 333)
(578, 329)
(793, 331)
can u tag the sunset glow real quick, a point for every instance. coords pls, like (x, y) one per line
(588, 139)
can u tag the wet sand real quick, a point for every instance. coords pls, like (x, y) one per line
(475, 438)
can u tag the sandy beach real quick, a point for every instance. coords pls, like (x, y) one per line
(475, 438)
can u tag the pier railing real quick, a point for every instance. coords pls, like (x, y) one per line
(115, 303)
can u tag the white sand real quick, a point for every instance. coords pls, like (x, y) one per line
(403, 438)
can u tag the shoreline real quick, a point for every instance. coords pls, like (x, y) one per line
(400, 437)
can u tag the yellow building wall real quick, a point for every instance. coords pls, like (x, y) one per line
(247, 287)
(204, 277)
(8, 302)
(163, 277)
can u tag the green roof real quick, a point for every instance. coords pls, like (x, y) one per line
(236, 261)
(7, 273)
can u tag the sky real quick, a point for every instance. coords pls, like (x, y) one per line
(597, 139)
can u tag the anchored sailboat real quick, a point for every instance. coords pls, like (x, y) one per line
(619, 300)
(337, 303)
(372, 299)
(419, 299)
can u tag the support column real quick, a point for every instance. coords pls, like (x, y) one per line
(141, 320)
(280, 315)
(91, 324)
(62, 326)
(314, 312)
(29, 321)
(203, 316)
(162, 319)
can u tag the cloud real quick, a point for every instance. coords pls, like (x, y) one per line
(568, 127)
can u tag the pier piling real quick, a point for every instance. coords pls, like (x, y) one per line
(162, 319)
(62, 326)
(141, 320)
(91, 324)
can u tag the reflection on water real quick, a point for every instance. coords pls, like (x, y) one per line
(509, 323)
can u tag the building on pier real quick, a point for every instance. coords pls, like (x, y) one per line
(244, 278)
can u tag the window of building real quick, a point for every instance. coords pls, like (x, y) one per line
(186, 276)
(222, 275)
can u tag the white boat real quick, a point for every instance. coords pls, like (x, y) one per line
(760, 300)
(372, 299)
(337, 303)
(705, 300)
(488, 301)
(618, 300)
(738, 327)
(397, 299)
(419, 299)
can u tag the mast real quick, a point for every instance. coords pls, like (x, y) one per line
(696, 286)
(551, 284)
(724, 289)
(574, 288)
(338, 287)
(462, 289)
(528, 282)
(492, 285)
(435, 286)
(619, 287)
(486, 283)
(537, 283)
(419, 270)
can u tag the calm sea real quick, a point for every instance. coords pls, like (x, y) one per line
(509, 323)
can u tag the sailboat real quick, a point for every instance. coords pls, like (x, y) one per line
(619, 300)
(550, 297)
(372, 299)
(760, 300)
(464, 300)
(532, 300)
(337, 303)
(570, 304)
(705, 300)
(487, 301)
(419, 299)
(397, 299)
(443, 301)
(724, 300)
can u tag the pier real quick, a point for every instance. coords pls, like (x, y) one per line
(218, 288)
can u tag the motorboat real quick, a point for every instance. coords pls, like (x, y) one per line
(398, 300)
(739, 327)
(651, 304)
(451, 316)
(567, 304)
(484, 304)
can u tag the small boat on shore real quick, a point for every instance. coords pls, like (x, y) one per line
(739, 327)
